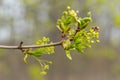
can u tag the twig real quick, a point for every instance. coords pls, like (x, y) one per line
(30, 46)
(20, 46)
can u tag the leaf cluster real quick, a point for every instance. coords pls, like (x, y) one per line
(44, 50)
(39, 52)
(74, 36)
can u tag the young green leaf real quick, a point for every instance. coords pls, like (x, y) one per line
(25, 58)
(68, 54)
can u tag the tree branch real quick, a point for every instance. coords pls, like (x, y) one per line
(30, 46)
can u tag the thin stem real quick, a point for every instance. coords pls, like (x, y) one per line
(31, 46)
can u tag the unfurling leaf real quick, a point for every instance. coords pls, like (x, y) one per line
(36, 53)
(68, 54)
(25, 58)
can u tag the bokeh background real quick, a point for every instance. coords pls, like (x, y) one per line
(30, 20)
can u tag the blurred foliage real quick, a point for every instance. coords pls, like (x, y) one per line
(117, 19)
(4, 69)
(34, 71)
(116, 68)
(104, 52)
(32, 3)
(2, 52)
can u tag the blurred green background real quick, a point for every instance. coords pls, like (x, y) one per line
(30, 20)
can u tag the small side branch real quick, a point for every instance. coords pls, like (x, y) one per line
(31, 46)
